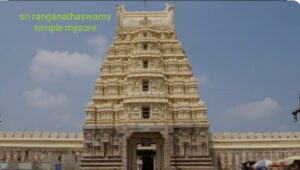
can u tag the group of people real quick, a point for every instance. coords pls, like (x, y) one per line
(249, 166)
(295, 165)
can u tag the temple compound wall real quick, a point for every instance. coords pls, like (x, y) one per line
(39, 150)
(231, 149)
(43, 150)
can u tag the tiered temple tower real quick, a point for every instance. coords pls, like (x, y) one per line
(146, 110)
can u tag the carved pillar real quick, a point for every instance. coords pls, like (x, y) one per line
(251, 156)
(277, 155)
(237, 160)
(166, 151)
(125, 137)
(229, 160)
(265, 155)
(215, 158)
(10, 156)
(3, 156)
(222, 160)
(244, 156)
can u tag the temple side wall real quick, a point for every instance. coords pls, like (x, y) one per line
(40, 150)
(45, 149)
(231, 149)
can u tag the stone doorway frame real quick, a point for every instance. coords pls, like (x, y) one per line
(136, 138)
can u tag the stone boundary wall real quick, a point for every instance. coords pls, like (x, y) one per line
(78, 136)
(40, 150)
(39, 135)
(229, 150)
(266, 140)
(47, 140)
(253, 135)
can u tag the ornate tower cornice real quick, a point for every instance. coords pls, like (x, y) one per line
(131, 20)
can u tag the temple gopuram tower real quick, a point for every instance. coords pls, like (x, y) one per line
(146, 110)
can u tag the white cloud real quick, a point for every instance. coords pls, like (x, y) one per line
(255, 110)
(41, 99)
(202, 79)
(52, 65)
(100, 42)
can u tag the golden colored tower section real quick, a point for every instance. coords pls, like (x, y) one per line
(145, 103)
(145, 67)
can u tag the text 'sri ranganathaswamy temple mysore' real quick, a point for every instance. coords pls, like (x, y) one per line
(145, 111)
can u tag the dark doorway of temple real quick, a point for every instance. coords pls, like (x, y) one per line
(148, 159)
(145, 151)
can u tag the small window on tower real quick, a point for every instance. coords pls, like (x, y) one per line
(145, 112)
(145, 47)
(145, 34)
(145, 64)
(145, 85)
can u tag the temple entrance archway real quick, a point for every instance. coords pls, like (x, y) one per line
(145, 151)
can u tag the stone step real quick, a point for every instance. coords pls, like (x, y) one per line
(101, 160)
(192, 156)
(97, 168)
(194, 168)
(192, 164)
(194, 159)
(100, 164)
(101, 157)
(198, 162)
(191, 160)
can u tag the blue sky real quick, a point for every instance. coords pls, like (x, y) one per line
(245, 56)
